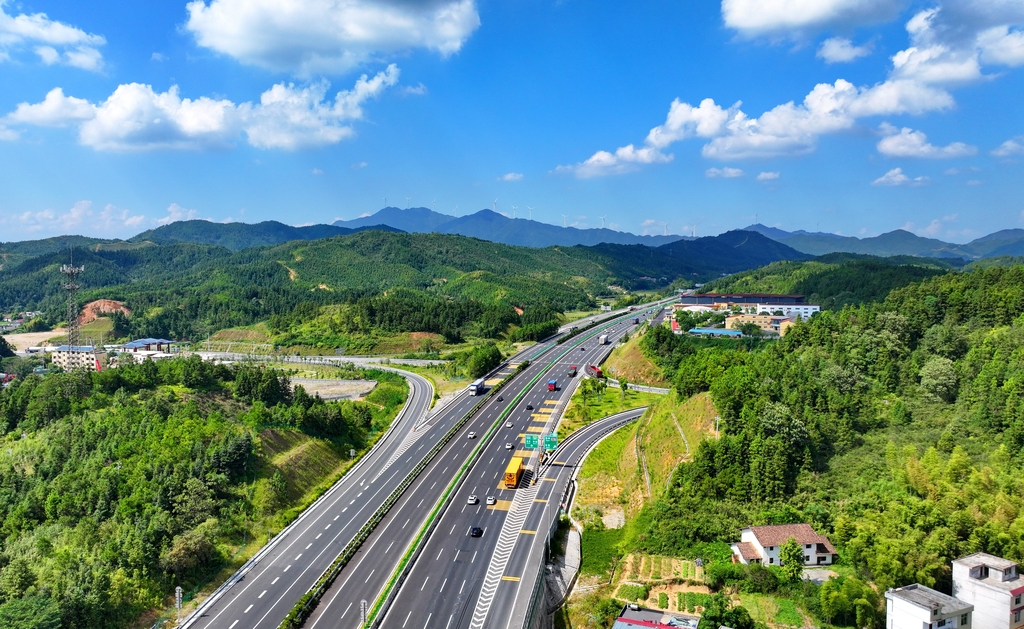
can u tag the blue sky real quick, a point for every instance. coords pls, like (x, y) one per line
(849, 116)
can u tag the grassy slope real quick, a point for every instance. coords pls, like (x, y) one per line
(628, 361)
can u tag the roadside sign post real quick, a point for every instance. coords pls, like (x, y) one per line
(551, 442)
(531, 442)
(177, 602)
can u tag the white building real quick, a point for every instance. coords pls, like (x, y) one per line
(77, 357)
(804, 311)
(762, 543)
(993, 585)
(919, 607)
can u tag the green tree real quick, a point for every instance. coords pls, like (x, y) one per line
(6, 351)
(719, 612)
(791, 556)
(31, 612)
(938, 377)
(15, 579)
(623, 387)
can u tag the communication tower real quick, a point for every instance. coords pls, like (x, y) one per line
(71, 273)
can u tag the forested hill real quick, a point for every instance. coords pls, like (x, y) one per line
(896, 428)
(237, 236)
(186, 287)
(834, 280)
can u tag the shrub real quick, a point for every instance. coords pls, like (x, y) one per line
(633, 592)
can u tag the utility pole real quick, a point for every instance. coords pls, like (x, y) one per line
(71, 273)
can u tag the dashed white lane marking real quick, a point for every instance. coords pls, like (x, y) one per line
(442, 585)
(309, 544)
(407, 618)
(449, 621)
(424, 583)
(233, 625)
(275, 580)
(453, 529)
(427, 624)
(389, 546)
(287, 568)
(261, 594)
(247, 609)
(439, 554)
(369, 575)
(421, 503)
(348, 608)
(462, 586)
(474, 557)
(432, 486)
(344, 510)
(406, 523)
(353, 501)
(297, 556)
(317, 536)
(336, 518)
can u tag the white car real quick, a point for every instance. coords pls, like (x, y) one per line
(471, 435)
(473, 500)
(509, 446)
(491, 500)
(508, 424)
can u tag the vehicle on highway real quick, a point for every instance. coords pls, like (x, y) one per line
(552, 385)
(491, 500)
(477, 387)
(529, 407)
(572, 371)
(583, 349)
(473, 500)
(471, 435)
(514, 472)
(595, 371)
(602, 340)
(476, 531)
(501, 399)
(636, 320)
(508, 424)
(509, 446)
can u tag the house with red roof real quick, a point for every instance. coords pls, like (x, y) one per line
(762, 544)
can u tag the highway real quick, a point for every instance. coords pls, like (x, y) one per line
(263, 591)
(366, 576)
(444, 585)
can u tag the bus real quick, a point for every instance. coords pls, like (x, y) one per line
(513, 472)
(477, 387)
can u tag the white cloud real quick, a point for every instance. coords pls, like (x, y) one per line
(359, 166)
(416, 90)
(686, 121)
(1011, 147)
(906, 142)
(768, 176)
(135, 117)
(934, 228)
(56, 110)
(8, 135)
(328, 36)
(511, 177)
(895, 177)
(841, 50)
(110, 219)
(723, 173)
(177, 213)
(317, 171)
(795, 18)
(44, 36)
(156, 56)
(625, 159)
(1000, 45)
(973, 182)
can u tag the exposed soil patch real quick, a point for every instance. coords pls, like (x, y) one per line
(96, 309)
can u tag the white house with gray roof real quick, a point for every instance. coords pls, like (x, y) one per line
(993, 585)
(918, 607)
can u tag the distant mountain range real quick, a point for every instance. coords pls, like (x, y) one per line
(495, 227)
(1008, 242)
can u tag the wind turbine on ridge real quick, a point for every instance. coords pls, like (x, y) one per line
(531, 211)
(456, 210)
(514, 211)
(602, 220)
(695, 229)
(408, 202)
(495, 205)
(564, 217)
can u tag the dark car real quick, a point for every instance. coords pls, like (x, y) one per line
(501, 399)
(529, 407)
(476, 531)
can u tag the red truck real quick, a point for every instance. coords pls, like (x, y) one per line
(552, 385)
(595, 371)
(572, 371)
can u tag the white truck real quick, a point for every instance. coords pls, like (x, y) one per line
(602, 340)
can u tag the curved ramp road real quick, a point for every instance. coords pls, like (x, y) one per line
(447, 586)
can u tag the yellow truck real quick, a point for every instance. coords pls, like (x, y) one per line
(513, 472)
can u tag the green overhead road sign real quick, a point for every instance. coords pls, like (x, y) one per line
(530, 443)
(551, 441)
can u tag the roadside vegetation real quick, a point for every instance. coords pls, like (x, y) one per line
(120, 485)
